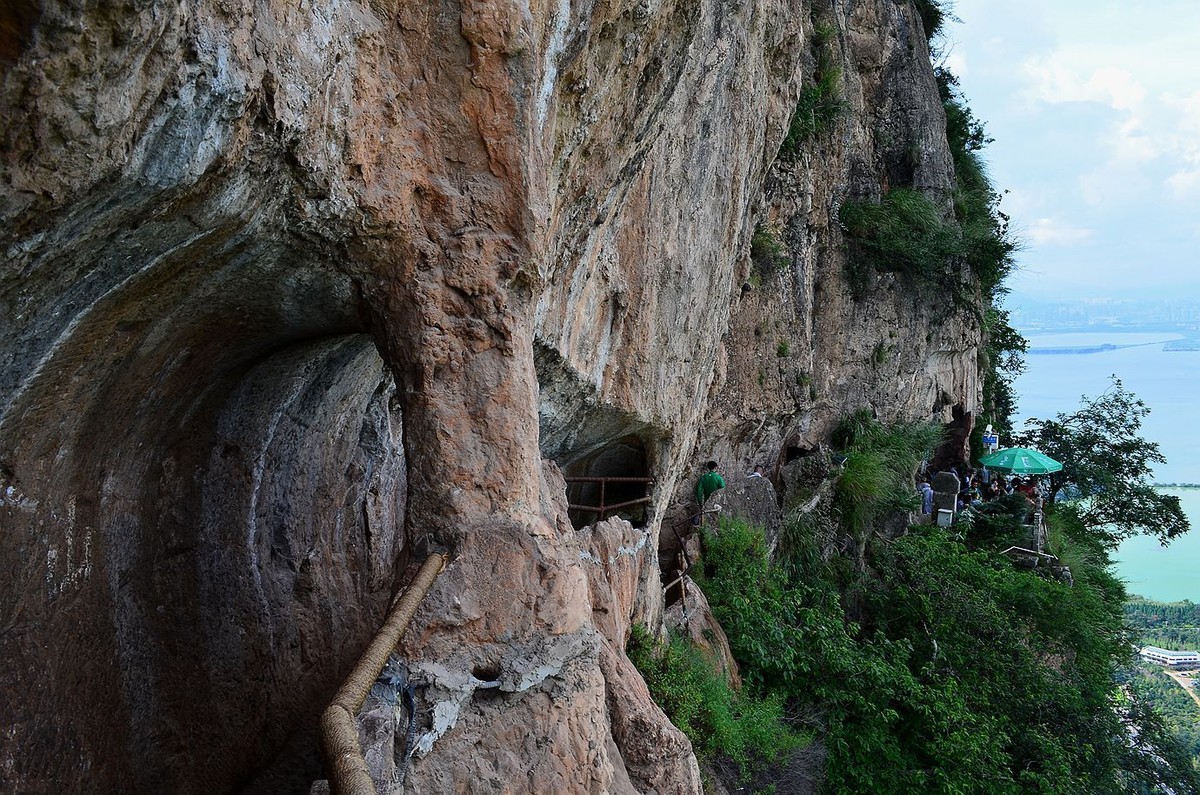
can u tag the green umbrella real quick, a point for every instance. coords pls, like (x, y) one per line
(1021, 461)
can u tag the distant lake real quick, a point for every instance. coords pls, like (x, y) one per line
(1164, 574)
(1168, 382)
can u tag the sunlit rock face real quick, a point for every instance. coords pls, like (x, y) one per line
(803, 350)
(295, 293)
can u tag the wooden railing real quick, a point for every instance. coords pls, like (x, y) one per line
(602, 509)
(683, 564)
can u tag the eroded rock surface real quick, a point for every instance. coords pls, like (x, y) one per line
(188, 583)
(293, 293)
(803, 349)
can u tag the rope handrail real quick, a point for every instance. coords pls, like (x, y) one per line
(348, 774)
(1024, 551)
(681, 572)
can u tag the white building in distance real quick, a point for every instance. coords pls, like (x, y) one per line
(1171, 659)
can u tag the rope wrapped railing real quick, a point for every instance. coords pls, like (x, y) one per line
(614, 507)
(348, 774)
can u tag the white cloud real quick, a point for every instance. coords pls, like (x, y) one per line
(1128, 142)
(1053, 232)
(1096, 115)
(1188, 108)
(1184, 184)
(1182, 139)
(1060, 78)
(1148, 141)
(1117, 87)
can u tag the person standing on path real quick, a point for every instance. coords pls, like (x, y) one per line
(926, 497)
(708, 483)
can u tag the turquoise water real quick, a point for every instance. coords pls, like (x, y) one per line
(1165, 574)
(1168, 382)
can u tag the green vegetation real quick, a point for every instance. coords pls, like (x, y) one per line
(924, 660)
(1174, 714)
(821, 103)
(720, 722)
(1101, 496)
(877, 474)
(1168, 714)
(904, 233)
(818, 108)
(987, 245)
(768, 253)
(989, 251)
(1169, 625)
(782, 349)
(1106, 468)
(933, 16)
(1001, 361)
(950, 670)
(997, 524)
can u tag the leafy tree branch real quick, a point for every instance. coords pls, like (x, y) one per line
(1107, 466)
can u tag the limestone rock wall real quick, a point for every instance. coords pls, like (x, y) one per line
(293, 292)
(803, 350)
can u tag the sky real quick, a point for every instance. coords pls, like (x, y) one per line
(1095, 111)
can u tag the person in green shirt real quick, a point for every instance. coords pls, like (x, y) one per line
(709, 482)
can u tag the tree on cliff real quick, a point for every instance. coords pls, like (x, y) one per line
(1106, 467)
(939, 668)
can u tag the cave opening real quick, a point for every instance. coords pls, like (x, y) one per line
(207, 452)
(955, 448)
(17, 21)
(793, 451)
(612, 481)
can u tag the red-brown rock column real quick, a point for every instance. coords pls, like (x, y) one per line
(452, 291)
(444, 177)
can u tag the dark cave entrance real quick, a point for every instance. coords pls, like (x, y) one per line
(613, 481)
(233, 434)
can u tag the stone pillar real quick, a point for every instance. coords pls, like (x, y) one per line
(945, 493)
(452, 287)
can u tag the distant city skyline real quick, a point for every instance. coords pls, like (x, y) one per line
(1094, 106)
(1175, 314)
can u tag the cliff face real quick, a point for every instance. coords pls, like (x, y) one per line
(803, 348)
(292, 294)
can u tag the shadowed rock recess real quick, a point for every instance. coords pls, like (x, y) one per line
(293, 293)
